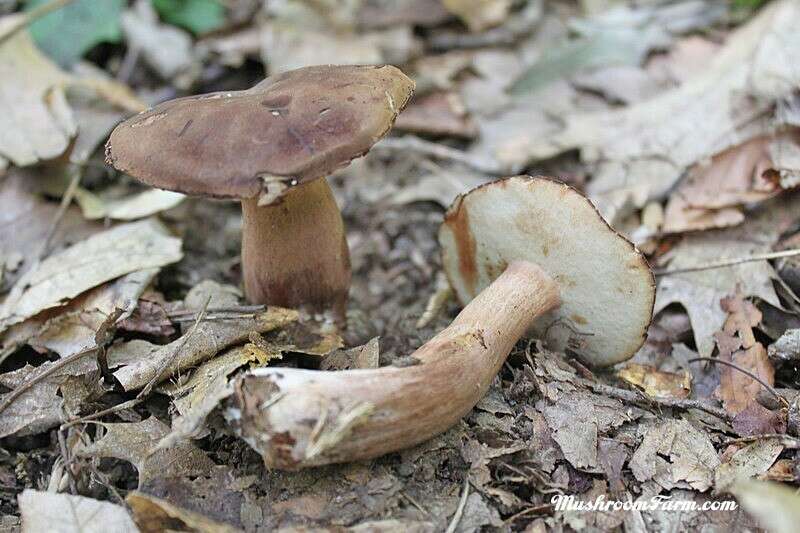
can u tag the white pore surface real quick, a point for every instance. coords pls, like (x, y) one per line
(607, 288)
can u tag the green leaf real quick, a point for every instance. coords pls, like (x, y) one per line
(68, 33)
(197, 16)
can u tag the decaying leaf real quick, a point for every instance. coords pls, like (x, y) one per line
(737, 344)
(25, 221)
(71, 328)
(42, 406)
(86, 264)
(577, 419)
(365, 356)
(656, 383)
(775, 506)
(137, 442)
(65, 513)
(36, 122)
(712, 194)
(700, 292)
(154, 515)
(787, 347)
(198, 396)
(673, 454)
(748, 462)
(641, 151)
(139, 361)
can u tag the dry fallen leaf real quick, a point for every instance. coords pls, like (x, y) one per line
(36, 122)
(747, 462)
(86, 264)
(135, 206)
(65, 513)
(737, 344)
(71, 328)
(154, 515)
(656, 383)
(674, 453)
(139, 361)
(641, 151)
(712, 196)
(137, 442)
(198, 396)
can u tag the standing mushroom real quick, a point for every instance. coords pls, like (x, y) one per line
(272, 146)
(492, 239)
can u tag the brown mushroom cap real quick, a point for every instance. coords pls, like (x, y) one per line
(289, 129)
(606, 286)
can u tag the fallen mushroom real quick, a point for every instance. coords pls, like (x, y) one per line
(490, 238)
(272, 146)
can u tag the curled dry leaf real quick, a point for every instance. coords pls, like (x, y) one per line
(36, 122)
(70, 328)
(137, 443)
(135, 206)
(657, 383)
(713, 195)
(738, 345)
(86, 264)
(65, 513)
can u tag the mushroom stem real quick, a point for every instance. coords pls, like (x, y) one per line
(294, 252)
(298, 418)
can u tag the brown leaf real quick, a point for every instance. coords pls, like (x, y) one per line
(755, 419)
(154, 515)
(737, 344)
(439, 113)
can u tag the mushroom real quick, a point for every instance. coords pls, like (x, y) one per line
(492, 239)
(271, 146)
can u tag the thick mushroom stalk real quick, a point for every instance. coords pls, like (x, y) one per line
(298, 418)
(294, 251)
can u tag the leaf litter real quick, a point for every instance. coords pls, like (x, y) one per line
(686, 137)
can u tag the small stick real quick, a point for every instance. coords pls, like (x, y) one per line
(31, 16)
(460, 509)
(746, 373)
(728, 262)
(786, 440)
(66, 200)
(111, 410)
(436, 302)
(243, 309)
(157, 377)
(639, 398)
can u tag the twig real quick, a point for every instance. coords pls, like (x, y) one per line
(31, 16)
(439, 151)
(460, 509)
(243, 309)
(168, 361)
(728, 262)
(744, 371)
(66, 200)
(111, 410)
(639, 398)
(545, 507)
(413, 502)
(786, 440)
